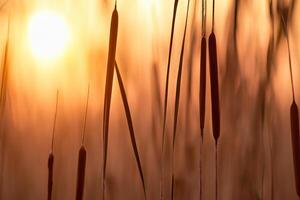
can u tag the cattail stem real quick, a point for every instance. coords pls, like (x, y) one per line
(203, 18)
(85, 116)
(51, 155)
(213, 16)
(216, 171)
(289, 54)
(54, 120)
(200, 166)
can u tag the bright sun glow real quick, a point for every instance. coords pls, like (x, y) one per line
(48, 35)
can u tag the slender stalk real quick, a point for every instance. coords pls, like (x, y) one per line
(85, 116)
(216, 158)
(290, 60)
(51, 155)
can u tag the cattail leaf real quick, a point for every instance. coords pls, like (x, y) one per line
(108, 89)
(168, 72)
(177, 97)
(214, 80)
(81, 173)
(166, 96)
(130, 127)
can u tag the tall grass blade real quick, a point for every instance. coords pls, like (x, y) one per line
(177, 97)
(108, 89)
(166, 98)
(130, 127)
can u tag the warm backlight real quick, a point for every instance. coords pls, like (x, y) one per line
(48, 35)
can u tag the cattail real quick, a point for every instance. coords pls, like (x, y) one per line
(50, 175)
(166, 96)
(51, 155)
(177, 97)
(295, 143)
(108, 88)
(82, 157)
(130, 127)
(81, 173)
(214, 80)
(294, 117)
(202, 92)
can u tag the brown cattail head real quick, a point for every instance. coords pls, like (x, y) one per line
(81, 173)
(214, 80)
(295, 143)
(202, 84)
(50, 175)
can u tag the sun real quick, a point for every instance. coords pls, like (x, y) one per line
(48, 35)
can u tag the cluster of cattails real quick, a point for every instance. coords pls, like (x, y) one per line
(215, 106)
(294, 117)
(111, 66)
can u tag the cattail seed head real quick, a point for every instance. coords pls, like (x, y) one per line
(213, 59)
(202, 83)
(295, 143)
(81, 173)
(50, 175)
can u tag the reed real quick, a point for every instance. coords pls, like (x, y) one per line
(51, 155)
(177, 97)
(214, 80)
(294, 118)
(108, 89)
(82, 156)
(130, 127)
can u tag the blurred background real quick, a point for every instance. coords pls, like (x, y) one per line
(255, 98)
